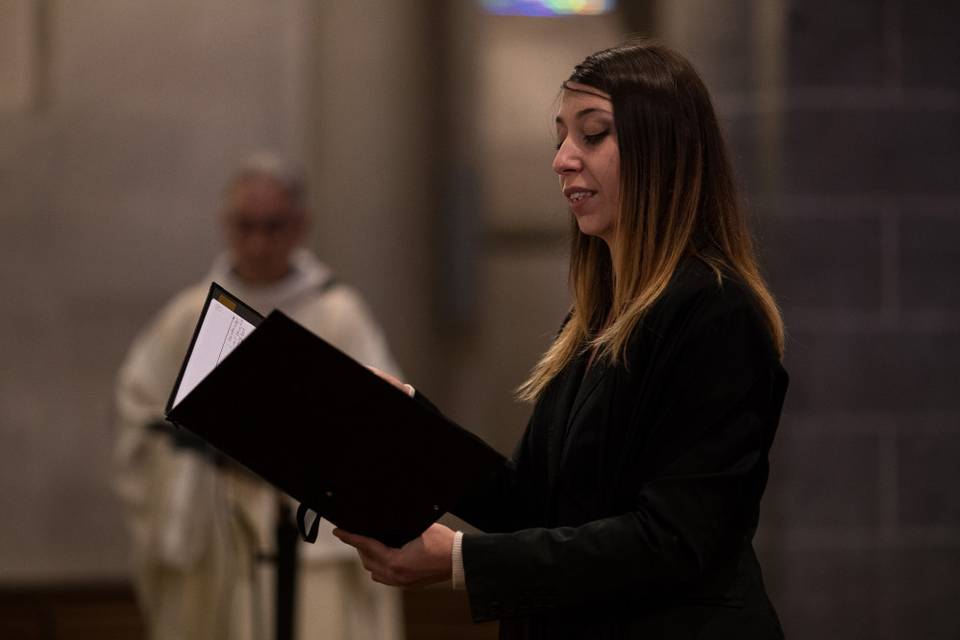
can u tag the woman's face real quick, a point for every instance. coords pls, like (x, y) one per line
(588, 159)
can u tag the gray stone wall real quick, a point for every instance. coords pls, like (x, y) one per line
(849, 149)
(865, 257)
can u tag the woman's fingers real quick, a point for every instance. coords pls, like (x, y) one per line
(366, 546)
(424, 560)
(377, 558)
(361, 543)
(374, 555)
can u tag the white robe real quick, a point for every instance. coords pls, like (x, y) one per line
(197, 528)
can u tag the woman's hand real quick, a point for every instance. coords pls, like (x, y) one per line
(425, 560)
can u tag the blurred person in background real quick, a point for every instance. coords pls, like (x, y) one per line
(203, 527)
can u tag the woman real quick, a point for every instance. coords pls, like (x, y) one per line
(629, 507)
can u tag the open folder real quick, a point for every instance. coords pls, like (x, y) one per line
(324, 429)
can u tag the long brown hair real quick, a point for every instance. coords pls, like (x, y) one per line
(677, 199)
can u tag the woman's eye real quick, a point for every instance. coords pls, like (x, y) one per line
(595, 138)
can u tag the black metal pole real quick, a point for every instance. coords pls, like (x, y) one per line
(286, 572)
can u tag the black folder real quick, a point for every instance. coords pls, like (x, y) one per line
(330, 433)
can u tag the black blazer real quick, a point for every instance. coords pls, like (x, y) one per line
(630, 504)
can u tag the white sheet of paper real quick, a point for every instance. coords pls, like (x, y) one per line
(222, 330)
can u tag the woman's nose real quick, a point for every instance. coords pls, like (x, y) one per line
(567, 159)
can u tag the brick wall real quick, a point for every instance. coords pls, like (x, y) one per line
(850, 151)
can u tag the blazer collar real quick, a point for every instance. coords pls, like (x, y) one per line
(588, 388)
(575, 387)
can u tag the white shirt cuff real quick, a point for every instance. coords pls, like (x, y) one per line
(458, 579)
(410, 390)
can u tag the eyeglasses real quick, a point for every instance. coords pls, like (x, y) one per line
(266, 226)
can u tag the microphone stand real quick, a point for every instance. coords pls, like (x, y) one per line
(286, 592)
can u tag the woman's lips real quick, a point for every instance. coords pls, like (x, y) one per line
(578, 197)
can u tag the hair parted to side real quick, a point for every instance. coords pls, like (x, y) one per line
(677, 199)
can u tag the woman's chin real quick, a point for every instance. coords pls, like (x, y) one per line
(593, 230)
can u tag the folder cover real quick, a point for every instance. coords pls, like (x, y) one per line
(330, 433)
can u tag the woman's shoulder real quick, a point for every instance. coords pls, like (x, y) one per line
(699, 301)
(697, 287)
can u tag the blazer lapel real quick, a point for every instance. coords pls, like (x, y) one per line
(588, 388)
(565, 395)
